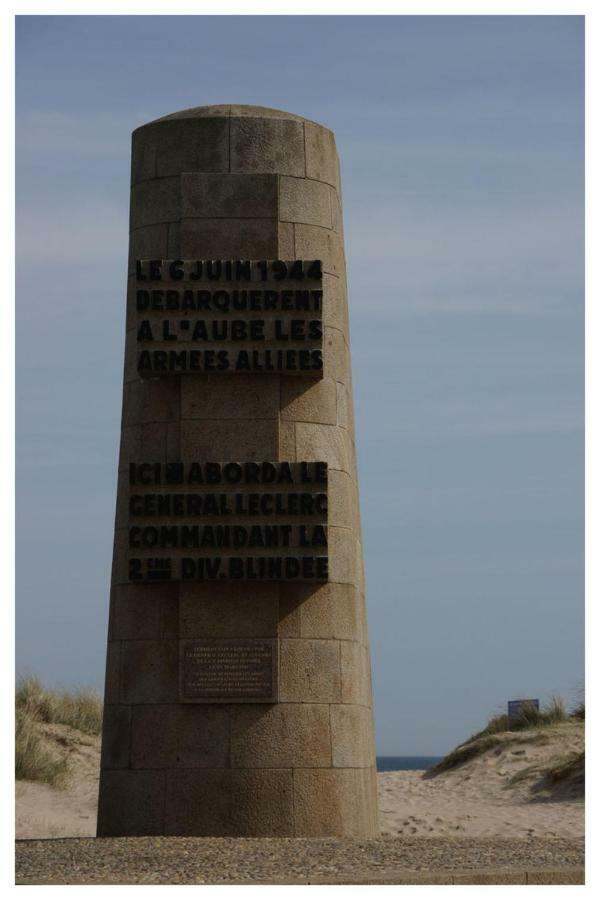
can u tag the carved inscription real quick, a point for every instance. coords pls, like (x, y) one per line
(218, 671)
(193, 521)
(228, 316)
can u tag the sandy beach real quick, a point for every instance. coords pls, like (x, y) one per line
(411, 806)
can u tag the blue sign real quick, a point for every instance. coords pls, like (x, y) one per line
(516, 708)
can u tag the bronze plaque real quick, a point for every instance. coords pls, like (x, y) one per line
(228, 671)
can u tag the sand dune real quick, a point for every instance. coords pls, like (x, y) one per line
(501, 793)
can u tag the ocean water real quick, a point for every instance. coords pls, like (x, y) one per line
(397, 763)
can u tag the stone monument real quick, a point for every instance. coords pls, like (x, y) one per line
(238, 693)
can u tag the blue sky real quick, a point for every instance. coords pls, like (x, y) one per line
(461, 143)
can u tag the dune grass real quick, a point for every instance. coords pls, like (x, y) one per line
(568, 768)
(464, 753)
(33, 759)
(579, 712)
(35, 706)
(475, 747)
(81, 709)
(550, 714)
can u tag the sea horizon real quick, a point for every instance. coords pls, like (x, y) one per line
(405, 763)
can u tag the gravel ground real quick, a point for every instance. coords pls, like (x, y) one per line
(168, 860)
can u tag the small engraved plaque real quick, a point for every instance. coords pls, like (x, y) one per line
(228, 671)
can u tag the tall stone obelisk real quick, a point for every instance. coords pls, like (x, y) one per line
(238, 696)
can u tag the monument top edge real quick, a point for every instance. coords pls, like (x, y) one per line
(231, 110)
